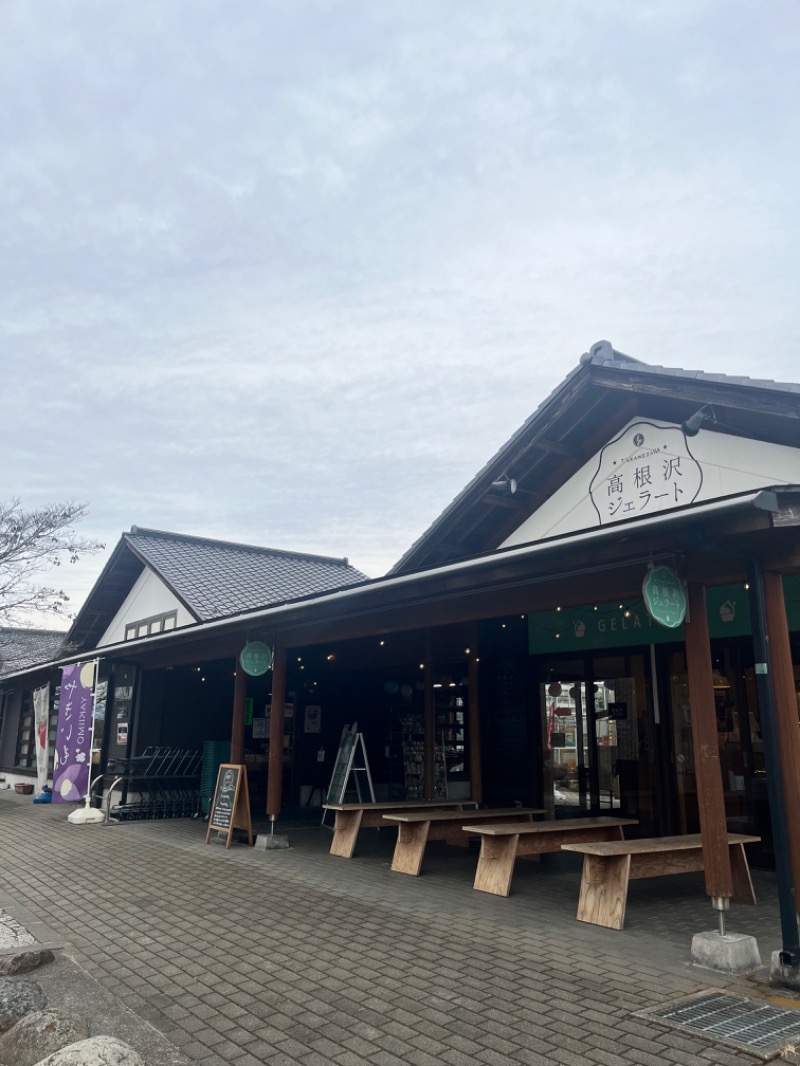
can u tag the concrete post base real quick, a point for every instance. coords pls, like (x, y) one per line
(271, 842)
(732, 953)
(86, 816)
(783, 976)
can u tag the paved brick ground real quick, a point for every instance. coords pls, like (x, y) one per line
(294, 956)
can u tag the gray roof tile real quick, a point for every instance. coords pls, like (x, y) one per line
(216, 578)
(20, 648)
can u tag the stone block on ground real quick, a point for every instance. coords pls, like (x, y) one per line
(18, 998)
(731, 953)
(96, 1051)
(39, 1034)
(24, 962)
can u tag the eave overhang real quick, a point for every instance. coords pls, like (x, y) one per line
(707, 542)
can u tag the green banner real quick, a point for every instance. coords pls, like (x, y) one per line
(623, 624)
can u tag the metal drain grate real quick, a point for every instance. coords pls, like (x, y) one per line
(744, 1022)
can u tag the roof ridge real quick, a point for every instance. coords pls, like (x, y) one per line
(603, 354)
(193, 538)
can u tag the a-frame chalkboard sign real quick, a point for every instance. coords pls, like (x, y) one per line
(231, 807)
(350, 744)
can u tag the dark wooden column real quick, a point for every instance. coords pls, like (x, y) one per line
(429, 722)
(788, 730)
(237, 722)
(474, 724)
(708, 772)
(275, 771)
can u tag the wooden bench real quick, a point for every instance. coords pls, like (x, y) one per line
(502, 844)
(350, 817)
(607, 869)
(416, 828)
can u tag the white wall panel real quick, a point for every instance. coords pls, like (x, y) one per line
(729, 465)
(148, 597)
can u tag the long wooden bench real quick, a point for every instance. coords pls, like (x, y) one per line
(416, 828)
(502, 844)
(607, 869)
(350, 817)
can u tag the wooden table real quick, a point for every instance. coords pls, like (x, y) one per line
(416, 828)
(350, 817)
(607, 869)
(502, 844)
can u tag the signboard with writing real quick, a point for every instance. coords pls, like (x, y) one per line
(627, 623)
(231, 806)
(646, 469)
(73, 737)
(256, 658)
(618, 712)
(312, 722)
(341, 768)
(664, 597)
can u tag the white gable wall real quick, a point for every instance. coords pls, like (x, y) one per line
(728, 465)
(148, 597)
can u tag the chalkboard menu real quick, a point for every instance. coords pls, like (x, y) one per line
(341, 769)
(231, 807)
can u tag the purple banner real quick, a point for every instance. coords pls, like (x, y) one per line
(73, 756)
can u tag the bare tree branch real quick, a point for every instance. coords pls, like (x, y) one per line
(31, 543)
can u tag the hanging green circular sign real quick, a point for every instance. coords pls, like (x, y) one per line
(256, 658)
(664, 597)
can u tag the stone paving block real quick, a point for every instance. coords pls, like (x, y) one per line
(569, 1058)
(312, 944)
(278, 1058)
(246, 1059)
(209, 1037)
(348, 1058)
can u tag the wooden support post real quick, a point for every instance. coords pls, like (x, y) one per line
(788, 729)
(429, 723)
(474, 727)
(708, 771)
(275, 772)
(237, 722)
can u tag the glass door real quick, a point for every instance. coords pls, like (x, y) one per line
(599, 738)
(567, 745)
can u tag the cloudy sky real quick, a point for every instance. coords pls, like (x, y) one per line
(288, 272)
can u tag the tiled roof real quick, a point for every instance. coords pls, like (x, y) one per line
(20, 648)
(606, 356)
(216, 578)
(602, 356)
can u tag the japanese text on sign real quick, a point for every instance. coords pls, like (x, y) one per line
(647, 469)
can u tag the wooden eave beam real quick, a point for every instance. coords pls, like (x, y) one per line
(555, 448)
(702, 391)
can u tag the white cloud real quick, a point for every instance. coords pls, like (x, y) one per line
(290, 274)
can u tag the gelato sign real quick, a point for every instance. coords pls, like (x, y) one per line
(646, 469)
(256, 659)
(664, 597)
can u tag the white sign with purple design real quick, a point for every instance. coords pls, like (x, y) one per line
(74, 735)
